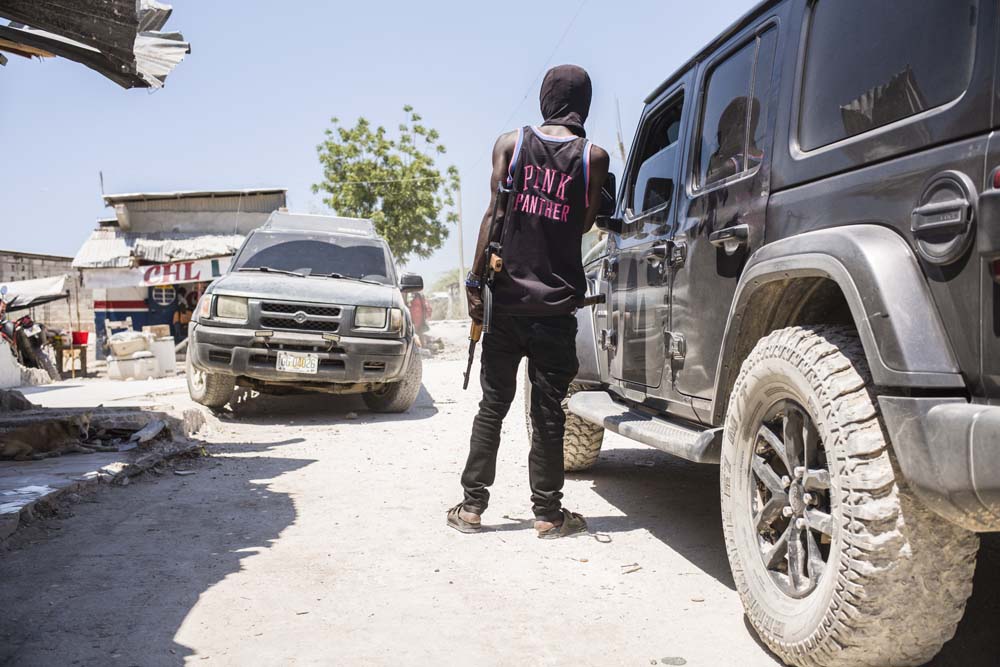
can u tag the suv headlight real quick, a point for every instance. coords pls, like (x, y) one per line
(205, 307)
(231, 308)
(367, 317)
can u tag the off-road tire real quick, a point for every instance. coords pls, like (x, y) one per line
(212, 390)
(897, 576)
(582, 441)
(398, 396)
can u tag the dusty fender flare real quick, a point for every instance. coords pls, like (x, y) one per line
(904, 340)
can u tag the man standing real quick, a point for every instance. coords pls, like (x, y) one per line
(555, 176)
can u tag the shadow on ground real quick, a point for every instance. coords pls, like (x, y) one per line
(975, 644)
(114, 584)
(675, 500)
(325, 409)
(678, 503)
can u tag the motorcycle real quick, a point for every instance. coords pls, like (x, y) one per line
(27, 339)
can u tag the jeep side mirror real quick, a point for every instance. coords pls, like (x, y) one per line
(606, 221)
(608, 195)
(410, 282)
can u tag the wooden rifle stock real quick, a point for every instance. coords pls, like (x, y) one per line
(475, 334)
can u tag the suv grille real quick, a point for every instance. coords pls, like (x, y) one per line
(308, 325)
(313, 318)
(291, 308)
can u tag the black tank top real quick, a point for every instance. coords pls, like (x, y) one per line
(543, 267)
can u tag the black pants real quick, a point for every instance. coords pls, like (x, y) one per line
(549, 343)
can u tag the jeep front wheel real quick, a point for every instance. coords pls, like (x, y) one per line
(836, 562)
(212, 390)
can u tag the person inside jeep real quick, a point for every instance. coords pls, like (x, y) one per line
(728, 159)
(555, 176)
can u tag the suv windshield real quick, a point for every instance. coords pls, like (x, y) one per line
(338, 256)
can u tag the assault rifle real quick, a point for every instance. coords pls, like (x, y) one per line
(491, 267)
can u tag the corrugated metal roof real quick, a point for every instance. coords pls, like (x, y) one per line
(183, 194)
(111, 248)
(121, 39)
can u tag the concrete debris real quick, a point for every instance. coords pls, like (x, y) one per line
(14, 401)
(148, 432)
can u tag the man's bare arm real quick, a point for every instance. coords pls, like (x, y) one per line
(600, 161)
(503, 152)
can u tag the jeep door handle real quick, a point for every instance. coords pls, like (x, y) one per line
(730, 237)
(659, 252)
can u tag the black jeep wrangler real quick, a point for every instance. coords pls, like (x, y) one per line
(802, 284)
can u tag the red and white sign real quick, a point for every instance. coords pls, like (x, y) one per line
(175, 273)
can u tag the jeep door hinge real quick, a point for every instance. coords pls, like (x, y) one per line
(676, 346)
(608, 340)
(678, 253)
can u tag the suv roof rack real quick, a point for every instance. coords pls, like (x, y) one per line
(304, 222)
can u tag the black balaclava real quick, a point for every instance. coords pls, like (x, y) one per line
(565, 97)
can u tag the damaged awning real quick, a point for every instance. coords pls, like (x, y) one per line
(121, 39)
(23, 294)
(112, 248)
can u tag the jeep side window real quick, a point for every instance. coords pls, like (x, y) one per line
(722, 151)
(870, 63)
(653, 185)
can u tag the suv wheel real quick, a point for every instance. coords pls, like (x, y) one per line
(582, 441)
(398, 396)
(212, 390)
(836, 562)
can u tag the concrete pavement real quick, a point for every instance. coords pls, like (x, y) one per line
(313, 538)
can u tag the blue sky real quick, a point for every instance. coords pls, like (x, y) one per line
(249, 105)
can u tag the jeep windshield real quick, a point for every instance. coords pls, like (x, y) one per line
(317, 256)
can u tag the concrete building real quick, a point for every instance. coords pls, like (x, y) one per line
(74, 314)
(162, 250)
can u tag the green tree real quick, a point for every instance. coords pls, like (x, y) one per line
(393, 181)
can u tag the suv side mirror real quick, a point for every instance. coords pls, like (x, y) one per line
(410, 282)
(606, 221)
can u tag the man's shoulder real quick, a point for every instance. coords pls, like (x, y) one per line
(598, 152)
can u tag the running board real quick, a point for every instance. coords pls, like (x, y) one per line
(693, 444)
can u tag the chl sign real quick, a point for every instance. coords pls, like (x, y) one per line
(195, 271)
(175, 273)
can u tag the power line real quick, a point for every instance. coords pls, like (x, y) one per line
(545, 66)
(394, 180)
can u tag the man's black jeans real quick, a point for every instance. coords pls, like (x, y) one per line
(549, 343)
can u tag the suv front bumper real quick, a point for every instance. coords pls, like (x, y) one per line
(949, 453)
(236, 352)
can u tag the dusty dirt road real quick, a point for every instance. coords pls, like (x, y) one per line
(309, 537)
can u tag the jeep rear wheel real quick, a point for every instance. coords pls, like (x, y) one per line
(398, 396)
(582, 441)
(212, 390)
(836, 562)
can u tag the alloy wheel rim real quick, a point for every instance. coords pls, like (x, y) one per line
(790, 499)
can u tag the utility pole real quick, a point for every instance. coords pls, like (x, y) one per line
(461, 258)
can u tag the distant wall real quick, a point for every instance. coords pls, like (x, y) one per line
(58, 314)
(220, 214)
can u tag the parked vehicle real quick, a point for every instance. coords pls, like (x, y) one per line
(310, 303)
(803, 286)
